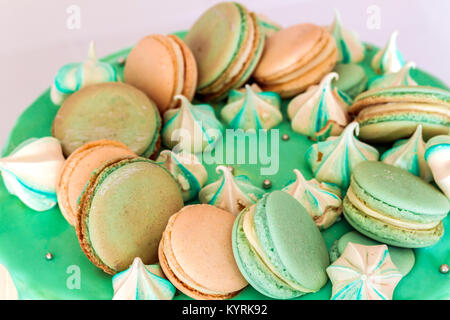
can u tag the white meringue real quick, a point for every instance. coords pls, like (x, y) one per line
(388, 60)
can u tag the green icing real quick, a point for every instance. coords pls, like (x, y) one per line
(26, 236)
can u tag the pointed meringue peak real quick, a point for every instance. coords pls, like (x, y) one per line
(252, 109)
(410, 155)
(396, 79)
(363, 273)
(191, 128)
(142, 282)
(190, 174)
(74, 76)
(321, 200)
(437, 155)
(231, 193)
(31, 172)
(350, 48)
(389, 59)
(92, 56)
(333, 160)
(321, 111)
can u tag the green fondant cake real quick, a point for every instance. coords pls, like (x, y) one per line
(27, 236)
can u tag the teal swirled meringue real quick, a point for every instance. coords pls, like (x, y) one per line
(399, 78)
(252, 109)
(230, 193)
(321, 200)
(74, 76)
(390, 59)
(321, 111)
(31, 172)
(187, 170)
(349, 48)
(437, 155)
(191, 128)
(141, 282)
(334, 159)
(409, 154)
(363, 273)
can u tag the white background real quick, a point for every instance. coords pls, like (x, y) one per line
(35, 40)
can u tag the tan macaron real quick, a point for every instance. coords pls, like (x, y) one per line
(295, 58)
(162, 66)
(77, 169)
(196, 255)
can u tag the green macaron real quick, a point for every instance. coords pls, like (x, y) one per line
(389, 114)
(403, 258)
(393, 206)
(279, 249)
(123, 212)
(352, 78)
(111, 110)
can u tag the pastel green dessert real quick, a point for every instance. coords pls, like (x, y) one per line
(123, 212)
(111, 110)
(352, 78)
(388, 114)
(403, 258)
(23, 252)
(279, 249)
(395, 207)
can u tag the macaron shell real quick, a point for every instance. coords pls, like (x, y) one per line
(388, 234)
(123, 212)
(289, 237)
(190, 69)
(396, 192)
(289, 49)
(214, 39)
(300, 84)
(197, 250)
(111, 110)
(352, 78)
(77, 169)
(254, 269)
(152, 67)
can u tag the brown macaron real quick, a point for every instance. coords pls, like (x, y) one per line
(162, 66)
(295, 58)
(196, 254)
(77, 169)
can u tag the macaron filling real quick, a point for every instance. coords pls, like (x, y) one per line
(252, 237)
(411, 225)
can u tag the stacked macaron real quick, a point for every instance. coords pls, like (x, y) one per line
(162, 67)
(227, 43)
(295, 58)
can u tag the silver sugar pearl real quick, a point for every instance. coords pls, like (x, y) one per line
(121, 60)
(444, 268)
(267, 184)
(49, 256)
(285, 137)
(231, 169)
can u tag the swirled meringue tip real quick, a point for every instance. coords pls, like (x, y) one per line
(363, 273)
(349, 47)
(186, 169)
(252, 109)
(74, 76)
(437, 155)
(409, 154)
(333, 160)
(322, 204)
(31, 172)
(396, 79)
(321, 111)
(231, 193)
(191, 128)
(390, 59)
(142, 282)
